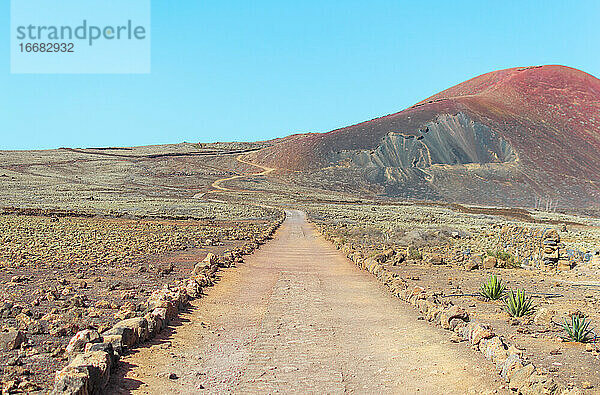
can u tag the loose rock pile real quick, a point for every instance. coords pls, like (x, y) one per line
(538, 247)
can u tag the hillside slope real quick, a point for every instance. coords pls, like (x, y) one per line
(518, 136)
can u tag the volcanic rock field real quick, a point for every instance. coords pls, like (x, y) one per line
(107, 254)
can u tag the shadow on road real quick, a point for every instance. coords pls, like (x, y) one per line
(119, 384)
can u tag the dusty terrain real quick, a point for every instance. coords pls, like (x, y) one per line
(459, 238)
(139, 181)
(88, 234)
(62, 275)
(297, 317)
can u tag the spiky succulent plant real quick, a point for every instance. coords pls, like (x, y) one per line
(493, 289)
(518, 304)
(578, 329)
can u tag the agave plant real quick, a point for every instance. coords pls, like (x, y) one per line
(578, 329)
(493, 289)
(518, 304)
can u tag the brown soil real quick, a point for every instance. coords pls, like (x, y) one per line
(75, 272)
(572, 363)
(299, 317)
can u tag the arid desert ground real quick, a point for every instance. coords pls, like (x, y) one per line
(202, 271)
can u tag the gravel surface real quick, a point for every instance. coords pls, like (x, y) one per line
(299, 317)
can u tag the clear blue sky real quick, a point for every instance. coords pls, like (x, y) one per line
(253, 70)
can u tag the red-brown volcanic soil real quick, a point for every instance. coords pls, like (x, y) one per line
(549, 115)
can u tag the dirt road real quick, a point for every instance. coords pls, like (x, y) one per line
(218, 187)
(298, 317)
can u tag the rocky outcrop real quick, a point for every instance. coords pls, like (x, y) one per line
(449, 140)
(11, 339)
(81, 338)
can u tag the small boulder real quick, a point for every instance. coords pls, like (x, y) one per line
(471, 264)
(11, 339)
(494, 350)
(154, 325)
(490, 262)
(398, 258)
(193, 288)
(116, 342)
(127, 337)
(435, 259)
(72, 380)
(125, 314)
(98, 364)
(161, 313)
(81, 338)
(520, 377)
(29, 324)
(76, 301)
(384, 256)
(200, 267)
(28, 386)
(510, 365)
(370, 264)
(211, 258)
(453, 312)
(479, 331)
(132, 330)
(105, 347)
(543, 316)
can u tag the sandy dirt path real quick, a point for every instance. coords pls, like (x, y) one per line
(217, 184)
(298, 317)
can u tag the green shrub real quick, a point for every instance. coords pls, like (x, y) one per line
(493, 289)
(578, 329)
(518, 304)
(413, 253)
(503, 256)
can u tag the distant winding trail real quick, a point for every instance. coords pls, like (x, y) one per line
(217, 185)
(298, 317)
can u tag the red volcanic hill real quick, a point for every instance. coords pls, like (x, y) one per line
(510, 137)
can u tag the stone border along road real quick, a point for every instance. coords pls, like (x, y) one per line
(521, 376)
(298, 317)
(94, 356)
